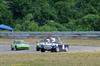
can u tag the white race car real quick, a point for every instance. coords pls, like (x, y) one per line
(51, 45)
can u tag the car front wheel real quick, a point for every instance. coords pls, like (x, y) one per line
(42, 50)
(37, 49)
(12, 49)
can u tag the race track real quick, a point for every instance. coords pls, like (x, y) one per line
(7, 49)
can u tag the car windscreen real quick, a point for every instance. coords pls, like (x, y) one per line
(19, 42)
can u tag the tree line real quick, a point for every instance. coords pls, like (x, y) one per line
(51, 15)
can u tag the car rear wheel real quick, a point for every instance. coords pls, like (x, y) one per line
(66, 48)
(15, 48)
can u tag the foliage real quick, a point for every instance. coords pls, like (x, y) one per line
(51, 15)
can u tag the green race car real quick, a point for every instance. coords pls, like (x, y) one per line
(19, 45)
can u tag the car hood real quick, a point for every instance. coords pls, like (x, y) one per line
(22, 45)
(46, 43)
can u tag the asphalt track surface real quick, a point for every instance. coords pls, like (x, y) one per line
(6, 49)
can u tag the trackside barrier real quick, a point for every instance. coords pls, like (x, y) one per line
(39, 34)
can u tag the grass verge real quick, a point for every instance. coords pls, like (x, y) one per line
(51, 59)
(75, 41)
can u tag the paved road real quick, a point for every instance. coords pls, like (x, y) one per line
(7, 49)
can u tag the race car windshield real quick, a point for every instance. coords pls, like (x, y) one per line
(19, 42)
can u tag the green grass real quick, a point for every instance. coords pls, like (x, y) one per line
(51, 59)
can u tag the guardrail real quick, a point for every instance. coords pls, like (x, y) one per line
(64, 34)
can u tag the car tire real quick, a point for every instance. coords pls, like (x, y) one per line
(15, 48)
(53, 50)
(37, 49)
(42, 50)
(67, 48)
(12, 49)
(57, 50)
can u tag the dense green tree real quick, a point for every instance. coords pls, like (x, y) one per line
(5, 14)
(56, 25)
(91, 21)
(18, 27)
(33, 26)
(51, 15)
